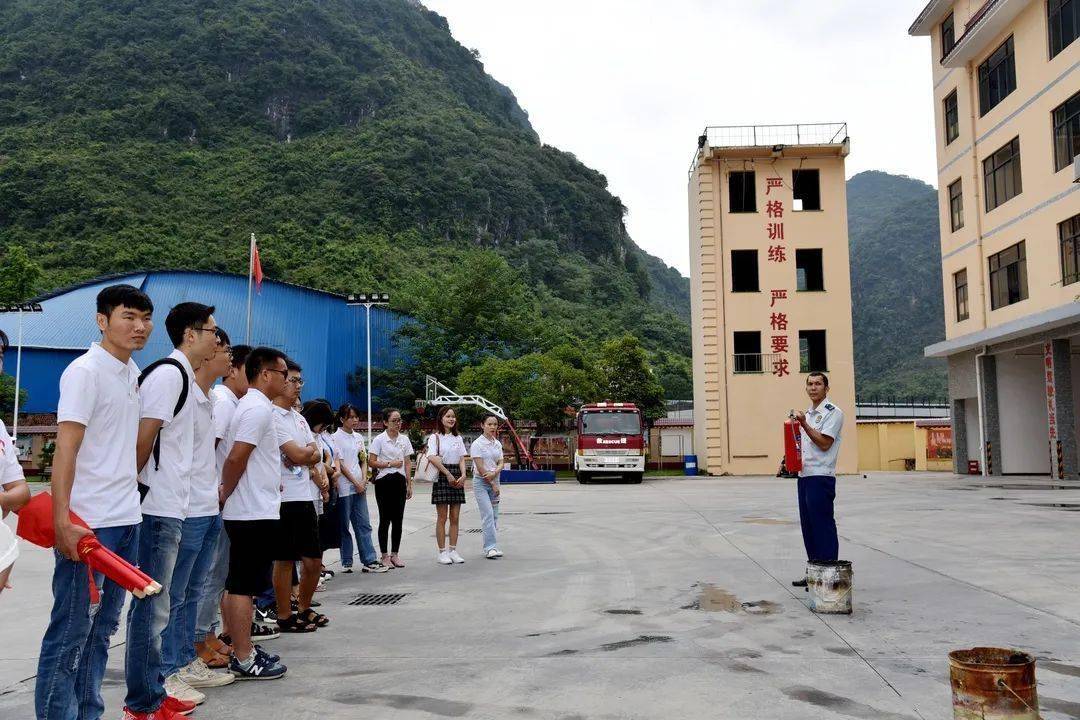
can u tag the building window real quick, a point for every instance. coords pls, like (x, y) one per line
(747, 352)
(952, 118)
(960, 283)
(744, 271)
(1001, 174)
(809, 271)
(1066, 132)
(1063, 18)
(812, 351)
(742, 195)
(956, 205)
(806, 189)
(1008, 276)
(1069, 234)
(948, 36)
(997, 77)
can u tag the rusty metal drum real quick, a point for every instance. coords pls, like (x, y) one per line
(830, 586)
(993, 684)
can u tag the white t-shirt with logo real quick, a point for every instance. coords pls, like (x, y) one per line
(388, 450)
(169, 479)
(348, 446)
(449, 448)
(101, 393)
(10, 471)
(295, 481)
(489, 452)
(205, 478)
(257, 495)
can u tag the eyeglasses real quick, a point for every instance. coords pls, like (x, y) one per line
(204, 329)
(284, 373)
(297, 381)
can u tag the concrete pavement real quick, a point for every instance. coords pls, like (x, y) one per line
(622, 601)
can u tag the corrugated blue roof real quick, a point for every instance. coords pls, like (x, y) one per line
(315, 328)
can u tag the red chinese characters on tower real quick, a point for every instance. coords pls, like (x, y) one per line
(774, 209)
(771, 183)
(778, 321)
(775, 230)
(777, 253)
(777, 295)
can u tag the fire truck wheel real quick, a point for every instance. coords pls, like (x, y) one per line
(636, 478)
(582, 478)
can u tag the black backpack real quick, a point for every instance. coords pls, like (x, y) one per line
(179, 402)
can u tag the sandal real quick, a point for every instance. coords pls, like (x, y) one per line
(295, 624)
(318, 619)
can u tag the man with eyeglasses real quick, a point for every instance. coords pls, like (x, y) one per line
(251, 505)
(298, 533)
(165, 456)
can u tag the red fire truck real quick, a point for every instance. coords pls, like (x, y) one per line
(610, 442)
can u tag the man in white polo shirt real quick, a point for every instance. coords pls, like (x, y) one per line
(166, 456)
(251, 500)
(94, 471)
(225, 397)
(821, 426)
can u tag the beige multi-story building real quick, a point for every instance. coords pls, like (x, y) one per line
(770, 289)
(1006, 84)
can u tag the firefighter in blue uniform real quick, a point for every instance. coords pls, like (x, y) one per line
(821, 425)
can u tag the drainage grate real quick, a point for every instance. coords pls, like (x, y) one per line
(471, 531)
(377, 599)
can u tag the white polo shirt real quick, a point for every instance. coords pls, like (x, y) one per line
(490, 452)
(225, 403)
(205, 478)
(449, 448)
(827, 419)
(10, 469)
(257, 495)
(295, 481)
(101, 393)
(326, 444)
(348, 446)
(388, 450)
(169, 479)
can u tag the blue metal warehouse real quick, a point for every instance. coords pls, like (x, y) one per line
(315, 328)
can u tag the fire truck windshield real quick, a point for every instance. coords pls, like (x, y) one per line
(610, 423)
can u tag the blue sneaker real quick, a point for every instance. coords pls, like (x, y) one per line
(257, 667)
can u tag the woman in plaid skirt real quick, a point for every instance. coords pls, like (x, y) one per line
(446, 452)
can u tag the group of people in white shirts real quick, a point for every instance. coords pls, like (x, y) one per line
(227, 495)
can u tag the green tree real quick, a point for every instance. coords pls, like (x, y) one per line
(539, 386)
(625, 376)
(19, 275)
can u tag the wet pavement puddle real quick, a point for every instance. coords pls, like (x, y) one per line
(714, 599)
(749, 520)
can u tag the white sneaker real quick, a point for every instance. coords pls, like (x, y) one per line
(444, 558)
(498, 552)
(321, 587)
(198, 675)
(456, 557)
(493, 554)
(180, 690)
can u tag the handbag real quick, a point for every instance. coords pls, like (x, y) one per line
(425, 468)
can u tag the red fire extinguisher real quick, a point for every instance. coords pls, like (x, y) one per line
(792, 444)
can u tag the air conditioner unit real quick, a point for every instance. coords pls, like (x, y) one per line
(1076, 169)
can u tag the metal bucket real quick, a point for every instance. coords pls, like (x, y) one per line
(993, 684)
(830, 586)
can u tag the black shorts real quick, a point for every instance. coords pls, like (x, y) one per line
(298, 536)
(251, 555)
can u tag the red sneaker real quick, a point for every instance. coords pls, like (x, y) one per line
(177, 706)
(162, 713)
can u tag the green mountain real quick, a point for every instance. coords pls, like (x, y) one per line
(362, 144)
(895, 286)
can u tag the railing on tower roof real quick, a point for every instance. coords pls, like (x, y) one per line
(739, 136)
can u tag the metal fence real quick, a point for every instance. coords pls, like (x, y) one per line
(902, 408)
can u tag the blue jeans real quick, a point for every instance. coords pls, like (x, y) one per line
(489, 510)
(816, 496)
(353, 510)
(198, 546)
(159, 545)
(208, 619)
(75, 647)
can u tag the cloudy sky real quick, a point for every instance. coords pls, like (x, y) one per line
(628, 85)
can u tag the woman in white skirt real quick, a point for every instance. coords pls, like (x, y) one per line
(487, 457)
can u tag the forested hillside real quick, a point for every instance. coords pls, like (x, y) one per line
(362, 144)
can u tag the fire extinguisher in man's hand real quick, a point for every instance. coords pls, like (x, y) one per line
(792, 444)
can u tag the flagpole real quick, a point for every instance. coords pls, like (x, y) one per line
(251, 274)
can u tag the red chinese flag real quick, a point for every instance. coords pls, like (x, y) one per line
(256, 266)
